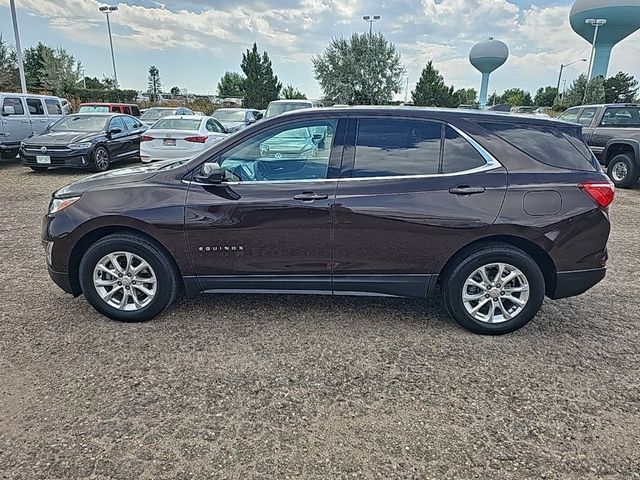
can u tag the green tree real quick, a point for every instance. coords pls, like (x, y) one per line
(575, 93)
(109, 83)
(231, 85)
(516, 97)
(175, 90)
(431, 91)
(545, 96)
(9, 76)
(261, 86)
(154, 82)
(93, 83)
(467, 96)
(364, 69)
(34, 63)
(60, 73)
(621, 88)
(595, 91)
(292, 93)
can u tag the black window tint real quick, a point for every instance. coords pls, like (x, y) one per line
(570, 115)
(394, 147)
(35, 106)
(621, 117)
(53, 107)
(577, 140)
(130, 123)
(14, 102)
(459, 155)
(587, 116)
(135, 111)
(213, 126)
(545, 144)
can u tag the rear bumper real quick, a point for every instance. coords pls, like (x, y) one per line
(570, 284)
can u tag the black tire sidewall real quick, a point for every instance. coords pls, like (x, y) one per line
(455, 284)
(8, 154)
(632, 171)
(166, 287)
(95, 154)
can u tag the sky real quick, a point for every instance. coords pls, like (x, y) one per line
(193, 42)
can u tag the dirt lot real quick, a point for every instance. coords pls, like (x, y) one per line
(310, 387)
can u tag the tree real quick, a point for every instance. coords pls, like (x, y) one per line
(516, 97)
(155, 85)
(261, 86)
(9, 76)
(431, 90)
(93, 83)
(292, 93)
(109, 83)
(34, 63)
(575, 93)
(545, 96)
(467, 96)
(365, 69)
(595, 91)
(60, 73)
(231, 85)
(621, 88)
(175, 90)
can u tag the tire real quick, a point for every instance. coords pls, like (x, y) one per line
(101, 159)
(513, 259)
(39, 169)
(8, 154)
(118, 245)
(623, 171)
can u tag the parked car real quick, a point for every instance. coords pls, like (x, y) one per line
(235, 119)
(180, 137)
(496, 210)
(612, 131)
(100, 107)
(84, 140)
(278, 107)
(152, 115)
(22, 116)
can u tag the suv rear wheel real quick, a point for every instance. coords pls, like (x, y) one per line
(8, 154)
(495, 290)
(623, 171)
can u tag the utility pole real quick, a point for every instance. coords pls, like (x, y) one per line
(107, 10)
(23, 81)
(562, 66)
(370, 19)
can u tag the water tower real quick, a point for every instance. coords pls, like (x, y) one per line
(486, 56)
(603, 23)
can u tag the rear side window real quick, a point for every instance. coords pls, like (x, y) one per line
(35, 106)
(135, 111)
(14, 102)
(395, 147)
(459, 155)
(545, 144)
(621, 117)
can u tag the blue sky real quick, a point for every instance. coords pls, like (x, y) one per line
(193, 42)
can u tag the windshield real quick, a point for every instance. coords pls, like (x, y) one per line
(177, 124)
(80, 123)
(156, 113)
(229, 115)
(93, 109)
(278, 108)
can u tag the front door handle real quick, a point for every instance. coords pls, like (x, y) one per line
(466, 190)
(310, 196)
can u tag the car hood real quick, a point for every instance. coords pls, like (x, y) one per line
(138, 173)
(59, 138)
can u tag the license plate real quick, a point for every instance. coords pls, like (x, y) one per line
(169, 142)
(43, 159)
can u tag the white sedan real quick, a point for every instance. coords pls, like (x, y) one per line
(180, 137)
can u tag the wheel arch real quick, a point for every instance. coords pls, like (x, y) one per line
(622, 146)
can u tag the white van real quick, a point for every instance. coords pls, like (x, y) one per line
(22, 116)
(278, 107)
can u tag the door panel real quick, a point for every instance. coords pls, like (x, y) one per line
(17, 126)
(39, 121)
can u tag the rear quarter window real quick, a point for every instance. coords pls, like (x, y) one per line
(562, 148)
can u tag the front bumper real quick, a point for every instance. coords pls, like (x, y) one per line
(62, 280)
(70, 158)
(570, 284)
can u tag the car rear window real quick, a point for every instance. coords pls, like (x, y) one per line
(93, 109)
(563, 148)
(177, 124)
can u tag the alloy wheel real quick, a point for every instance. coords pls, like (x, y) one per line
(102, 159)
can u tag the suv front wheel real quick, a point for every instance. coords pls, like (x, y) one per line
(623, 171)
(495, 290)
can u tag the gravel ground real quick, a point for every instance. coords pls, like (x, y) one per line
(310, 387)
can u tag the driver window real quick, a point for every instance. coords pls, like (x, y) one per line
(299, 151)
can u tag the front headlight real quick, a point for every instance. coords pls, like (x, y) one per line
(80, 146)
(58, 204)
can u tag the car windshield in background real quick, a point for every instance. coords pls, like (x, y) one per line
(80, 123)
(156, 113)
(93, 109)
(177, 124)
(280, 108)
(229, 115)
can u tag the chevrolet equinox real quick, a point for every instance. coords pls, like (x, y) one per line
(494, 211)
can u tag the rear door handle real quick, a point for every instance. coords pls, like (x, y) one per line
(310, 196)
(466, 190)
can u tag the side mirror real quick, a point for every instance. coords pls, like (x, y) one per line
(210, 173)
(317, 137)
(114, 131)
(8, 110)
(260, 116)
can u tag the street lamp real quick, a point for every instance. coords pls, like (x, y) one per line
(596, 23)
(107, 9)
(562, 65)
(23, 82)
(370, 19)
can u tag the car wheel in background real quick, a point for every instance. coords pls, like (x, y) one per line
(623, 171)
(8, 154)
(128, 277)
(101, 160)
(495, 290)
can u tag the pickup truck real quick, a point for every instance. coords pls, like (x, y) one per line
(612, 131)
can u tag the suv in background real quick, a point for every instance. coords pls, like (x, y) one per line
(612, 131)
(496, 210)
(102, 107)
(22, 116)
(278, 107)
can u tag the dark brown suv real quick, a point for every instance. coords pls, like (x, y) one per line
(496, 211)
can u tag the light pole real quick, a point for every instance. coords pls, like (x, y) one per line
(596, 23)
(107, 9)
(562, 65)
(23, 82)
(370, 19)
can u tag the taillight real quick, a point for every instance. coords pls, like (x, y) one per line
(196, 139)
(602, 193)
(146, 138)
